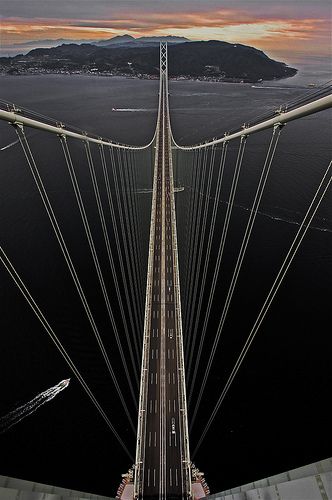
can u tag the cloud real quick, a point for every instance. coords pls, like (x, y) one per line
(265, 24)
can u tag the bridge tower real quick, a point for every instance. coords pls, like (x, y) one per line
(162, 465)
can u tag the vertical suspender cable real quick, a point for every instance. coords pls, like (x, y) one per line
(119, 251)
(194, 241)
(47, 327)
(109, 254)
(193, 171)
(49, 210)
(221, 248)
(86, 225)
(197, 272)
(206, 264)
(133, 223)
(129, 233)
(305, 224)
(124, 238)
(258, 195)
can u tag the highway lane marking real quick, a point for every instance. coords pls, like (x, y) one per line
(169, 406)
(156, 353)
(168, 354)
(173, 354)
(155, 406)
(152, 353)
(170, 477)
(155, 438)
(170, 438)
(150, 405)
(173, 377)
(156, 378)
(176, 478)
(149, 444)
(154, 477)
(151, 378)
(174, 405)
(149, 477)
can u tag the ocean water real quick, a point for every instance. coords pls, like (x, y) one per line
(273, 419)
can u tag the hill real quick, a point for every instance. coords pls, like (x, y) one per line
(209, 60)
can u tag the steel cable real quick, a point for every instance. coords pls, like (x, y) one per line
(229, 209)
(37, 311)
(258, 195)
(313, 207)
(57, 231)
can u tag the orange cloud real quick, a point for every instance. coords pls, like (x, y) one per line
(271, 33)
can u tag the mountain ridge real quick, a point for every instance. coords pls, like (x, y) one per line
(211, 59)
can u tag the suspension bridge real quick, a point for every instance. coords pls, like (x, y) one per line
(162, 338)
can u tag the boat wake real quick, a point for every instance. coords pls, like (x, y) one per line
(133, 110)
(19, 413)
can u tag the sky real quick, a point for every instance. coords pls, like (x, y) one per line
(281, 28)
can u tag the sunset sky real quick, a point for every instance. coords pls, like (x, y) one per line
(282, 28)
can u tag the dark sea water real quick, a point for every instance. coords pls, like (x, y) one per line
(276, 415)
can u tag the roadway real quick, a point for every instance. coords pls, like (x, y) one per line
(165, 472)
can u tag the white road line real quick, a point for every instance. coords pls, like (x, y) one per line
(173, 378)
(169, 406)
(156, 353)
(176, 478)
(173, 354)
(149, 439)
(150, 405)
(154, 477)
(155, 438)
(175, 440)
(152, 351)
(170, 477)
(156, 378)
(155, 406)
(170, 438)
(174, 405)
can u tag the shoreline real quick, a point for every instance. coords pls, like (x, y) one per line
(147, 77)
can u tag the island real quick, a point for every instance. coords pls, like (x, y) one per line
(203, 60)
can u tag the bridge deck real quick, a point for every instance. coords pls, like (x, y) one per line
(164, 469)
